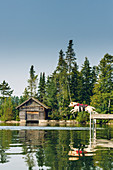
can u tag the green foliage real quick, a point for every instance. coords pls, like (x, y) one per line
(70, 60)
(51, 92)
(32, 81)
(55, 116)
(5, 89)
(41, 88)
(86, 81)
(60, 77)
(25, 94)
(70, 56)
(6, 109)
(90, 85)
(75, 83)
(15, 102)
(82, 117)
(103, 89)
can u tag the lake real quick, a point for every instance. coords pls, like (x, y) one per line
(56, 148)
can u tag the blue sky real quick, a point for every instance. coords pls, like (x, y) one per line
(32, 32)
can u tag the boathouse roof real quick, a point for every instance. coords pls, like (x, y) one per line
(33, 99)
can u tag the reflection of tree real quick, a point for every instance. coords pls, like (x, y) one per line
(32, 140)
(101, 151)
(85, 163)
(28, 152)
(5, 140)
(51, 148)
(30, 160)
(40, 156)
(54, 152)
(56, 149)
(3, 158)
(79, 139)
(104, 159)
(62, 149)
(104, 144)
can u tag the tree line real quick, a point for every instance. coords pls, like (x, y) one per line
(90, 85)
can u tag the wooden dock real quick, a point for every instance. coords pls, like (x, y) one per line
(102, 116)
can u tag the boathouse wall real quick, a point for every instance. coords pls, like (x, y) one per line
(32, 110)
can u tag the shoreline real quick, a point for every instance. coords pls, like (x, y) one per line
(48, 122)
(42, 122)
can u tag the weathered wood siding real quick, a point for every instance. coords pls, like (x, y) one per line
(32, 116)
(42, 116)
(22, 115)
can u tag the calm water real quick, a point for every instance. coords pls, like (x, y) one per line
(56, 148)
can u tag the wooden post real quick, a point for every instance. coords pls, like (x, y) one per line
(90, 129)
(94, 136)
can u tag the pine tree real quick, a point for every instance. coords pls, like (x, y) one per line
(103, 89)
(6, 111)
(41, 87)
(5, 89)
(80, 88)
(15, 103)
(74, 83)
(32, 81)
(61, 63)
(70, 56)
(51, 99)
(94, 74)
(25, 94)
(87, 80)
(60, 77)
(70, 59)
(106, 73)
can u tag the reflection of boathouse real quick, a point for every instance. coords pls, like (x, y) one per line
(32, 137)
(32, 110)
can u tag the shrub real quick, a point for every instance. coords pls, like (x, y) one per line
(83, 117)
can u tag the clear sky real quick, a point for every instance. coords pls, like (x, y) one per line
(32, 32)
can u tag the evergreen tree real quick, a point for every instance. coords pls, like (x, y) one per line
(70, 56)
(21, 99)
(61, 63)
(15, 103)
(70, 59)
(25, 94)
(94, 74)
(80, 88)
(32, 81)
(60, 77)
(51, 99)
(74, 83)
(41, 88)
(6, 110)
(5, 89)
(106, 73)
(87, 80)
(103, 89)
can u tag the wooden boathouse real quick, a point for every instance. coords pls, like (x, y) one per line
(32, 110)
